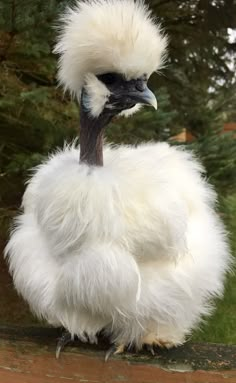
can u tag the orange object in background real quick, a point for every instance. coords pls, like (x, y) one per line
(186, 136)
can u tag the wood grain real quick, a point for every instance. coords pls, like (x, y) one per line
(27, 355)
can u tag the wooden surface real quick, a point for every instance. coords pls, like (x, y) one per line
(27, 355)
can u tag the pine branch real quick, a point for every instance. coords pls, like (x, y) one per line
(11, 34)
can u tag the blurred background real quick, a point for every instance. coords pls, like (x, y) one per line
(196, 93)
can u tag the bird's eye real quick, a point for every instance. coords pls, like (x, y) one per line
(108, 78)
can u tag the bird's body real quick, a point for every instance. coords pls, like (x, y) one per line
(129, 244)
(133, 246)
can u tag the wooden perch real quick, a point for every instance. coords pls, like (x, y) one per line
(27, 355)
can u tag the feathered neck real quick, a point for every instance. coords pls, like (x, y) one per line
(91, 137)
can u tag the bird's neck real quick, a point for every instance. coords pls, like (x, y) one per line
(91, 138)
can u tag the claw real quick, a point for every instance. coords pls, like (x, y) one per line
(150, 349)
(110, 352)
(114, 350)
(62, 342)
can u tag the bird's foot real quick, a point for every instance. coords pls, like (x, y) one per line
(114, 350)
(62, 342)
(67, 338)
(151, 341)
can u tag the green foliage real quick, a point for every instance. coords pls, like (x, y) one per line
(217, 152)
(33, 121)
(228, 208)
(34, 116)
(221, 326)
(200, 57)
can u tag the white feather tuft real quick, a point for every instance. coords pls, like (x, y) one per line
(129, 112)
(101, 36)
(96, 95)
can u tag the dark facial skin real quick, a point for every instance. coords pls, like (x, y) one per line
(124, 95)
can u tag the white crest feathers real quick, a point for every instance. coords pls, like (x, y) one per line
(101, 36)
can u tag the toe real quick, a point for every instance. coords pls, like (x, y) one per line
(114, 350)
(62, 342)
(150, 349)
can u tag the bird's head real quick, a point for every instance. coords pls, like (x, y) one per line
(108, 50)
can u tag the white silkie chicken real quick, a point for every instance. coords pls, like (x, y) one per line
(132, 246)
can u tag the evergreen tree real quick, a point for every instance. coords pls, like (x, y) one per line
(34, 117)
(201, 57)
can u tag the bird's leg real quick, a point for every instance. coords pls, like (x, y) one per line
(114, 350)
(62, 342)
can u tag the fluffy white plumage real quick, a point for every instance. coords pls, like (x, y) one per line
(133, 247)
